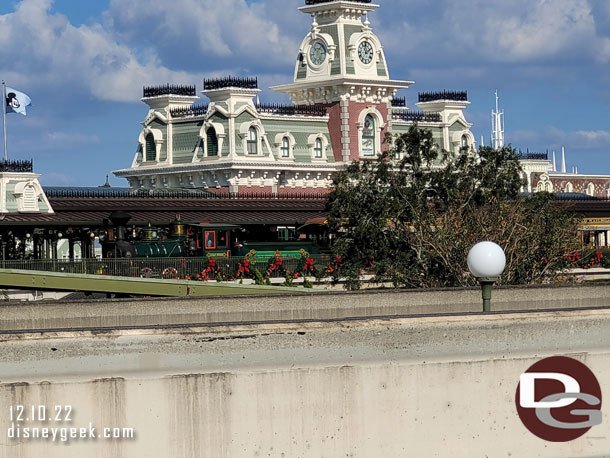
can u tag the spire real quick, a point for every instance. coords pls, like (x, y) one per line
(482, 141)
(497, 125)
(563, 160)
(554, 163)
(107, 184)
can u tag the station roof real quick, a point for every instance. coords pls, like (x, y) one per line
(89, 207)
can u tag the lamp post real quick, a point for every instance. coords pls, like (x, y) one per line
(486, 261)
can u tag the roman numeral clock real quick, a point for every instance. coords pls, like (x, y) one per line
(365, 52)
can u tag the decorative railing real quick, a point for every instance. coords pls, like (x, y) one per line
(317, 2)
(183, 112)
(163, 268)
(399, 102)
(230, 81)
(292, 110)
(123, 193)
(417, 116)
(169, 89)
(574, 196)
(128, 193)
(17, 166)
(459, 96)
(535, 156)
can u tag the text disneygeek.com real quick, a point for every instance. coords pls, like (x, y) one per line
(51, 423)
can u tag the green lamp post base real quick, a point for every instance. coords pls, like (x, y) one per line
(486, 287)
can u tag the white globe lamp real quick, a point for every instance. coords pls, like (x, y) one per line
(486, 261)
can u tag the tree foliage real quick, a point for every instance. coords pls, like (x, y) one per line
(413, 220)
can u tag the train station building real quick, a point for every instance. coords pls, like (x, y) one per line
(228, 159)
(343, 105)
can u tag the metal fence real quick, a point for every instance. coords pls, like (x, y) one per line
(169, 89)
(167, 268)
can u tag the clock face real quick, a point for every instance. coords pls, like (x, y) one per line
(317, 53)
(365, 52)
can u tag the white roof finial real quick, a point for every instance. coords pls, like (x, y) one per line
(563, 160)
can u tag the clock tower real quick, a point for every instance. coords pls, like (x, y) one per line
(341, 65)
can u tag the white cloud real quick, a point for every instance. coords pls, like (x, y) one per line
(45, 50)
(483, 34)
(554, 138)
(207, 33)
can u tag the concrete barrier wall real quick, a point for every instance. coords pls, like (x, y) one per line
(408, 387)
(146, 312)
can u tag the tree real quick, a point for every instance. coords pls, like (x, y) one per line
(413, 220)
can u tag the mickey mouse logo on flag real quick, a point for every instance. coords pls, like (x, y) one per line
(16, 101)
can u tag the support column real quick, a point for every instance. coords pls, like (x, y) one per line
(71, 248)
(36, 250)
(54, 249)
(84, 246)
(47, 246)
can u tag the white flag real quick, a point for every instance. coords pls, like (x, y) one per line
(16, 101)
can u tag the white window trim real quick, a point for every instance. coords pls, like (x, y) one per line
(158, 136)
(19, 193)
(203, 139)
(291, 145)
(590, 186)
(260, 134)
(544, 184)
(311, 143)
(456, 140)
(379, 126)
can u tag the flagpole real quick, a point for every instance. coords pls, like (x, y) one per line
(4, 117)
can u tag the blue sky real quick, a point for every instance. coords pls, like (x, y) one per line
(84, 64)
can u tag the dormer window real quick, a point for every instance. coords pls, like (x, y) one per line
(27, 195)
(252, 141)
(317, 149)
(318, 145)
(464, 141)
(285, 148)
(151, 148)
(212, 142)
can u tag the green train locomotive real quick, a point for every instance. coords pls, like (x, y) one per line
(216, 241)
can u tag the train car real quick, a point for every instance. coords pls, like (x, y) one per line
(202, 240)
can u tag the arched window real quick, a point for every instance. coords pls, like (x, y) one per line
(151, 148)
(212, 142)
(569, 187)
(317, 149)
(368, 136)
(252, 141)
(590, 189)
(464, 141)
(285, 148)
(548, 186)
